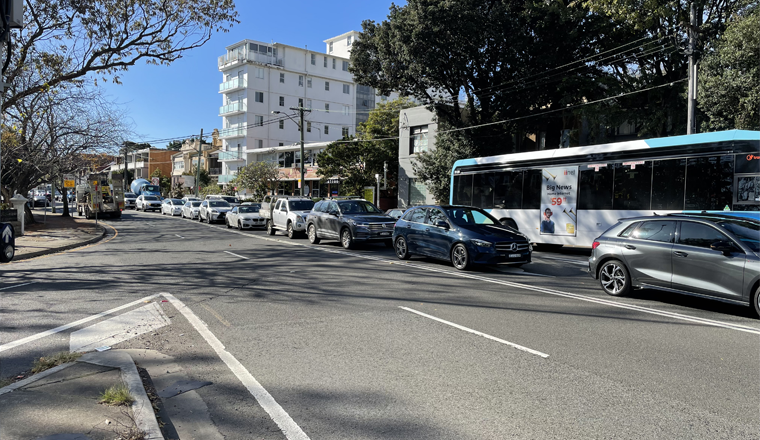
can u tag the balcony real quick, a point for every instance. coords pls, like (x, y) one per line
(227, 133)
(214, 171)
(231, 155)
(238, 57)
(233, 85)
(233, 108)
(226, 178)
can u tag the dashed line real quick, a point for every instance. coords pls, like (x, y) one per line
(17, 285)
(239, 256)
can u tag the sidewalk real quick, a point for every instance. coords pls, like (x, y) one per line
(56, 234)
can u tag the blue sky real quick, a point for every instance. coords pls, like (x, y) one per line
(178, 100)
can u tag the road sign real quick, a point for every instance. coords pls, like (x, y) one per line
(7, 234)
(155, 180)
(69, 184)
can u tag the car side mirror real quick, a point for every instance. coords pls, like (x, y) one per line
(442, 224)
(722, 246)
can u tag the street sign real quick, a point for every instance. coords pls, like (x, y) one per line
(69, 184)
(155, 180)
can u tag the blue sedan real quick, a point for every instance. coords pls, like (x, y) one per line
(462, 234)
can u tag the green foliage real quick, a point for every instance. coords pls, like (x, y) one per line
(729, 89)
(258, 178)
(434, 166)
(205, 179)
(165, 182)
(174, 145)
(176, 192)
(48, 362)
(357, 162)
(117, 395)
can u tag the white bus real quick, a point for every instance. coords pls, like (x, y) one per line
(570, 196)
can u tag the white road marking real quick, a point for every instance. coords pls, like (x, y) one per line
(17, 285)
(179, 236)
(548, 291)
(41, 335)
(119, 328)
(289, 427)
(239, 256)
(566, 260)
(516, 271)
(475, 332)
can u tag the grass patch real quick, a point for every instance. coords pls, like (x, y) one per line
(5, 382)
(48, 362)
(117, 395)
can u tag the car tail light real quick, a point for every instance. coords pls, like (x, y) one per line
(595, 245)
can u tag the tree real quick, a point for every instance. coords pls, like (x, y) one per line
(357, 160)
(729, 92)
(165, 182)
(259, 178)
(63, 42)
(174, 145)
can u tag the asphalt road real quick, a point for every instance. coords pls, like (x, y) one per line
(357, 344)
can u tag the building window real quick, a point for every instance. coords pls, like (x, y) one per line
(300, 80)
(327, 108)
(333, 63)
(346, 89)
(308, 103)
(344, 132)
(258, 120)
(259, 96)
(418, 141)
(308, 126)
(282, 125)
(282, 78)
(259, 73)
(327, 85)
(259, 143)
(325, 61)
(331, 48)
(281, 144)
(346, 110)
(300, 102)
(282, 101)
(313, 59)
(345, 66)
(308, 82)
(327, 129)
(348, 40)
(417, 192)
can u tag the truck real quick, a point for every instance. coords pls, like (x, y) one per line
(286, 213)
(142, 187)
(97, 198)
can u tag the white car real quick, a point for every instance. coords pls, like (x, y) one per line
(191, 208)
(146, 203)
(213, 210)
(190, 199)
(245, 216)
(172, 207)
(129, 200)
(232, 200)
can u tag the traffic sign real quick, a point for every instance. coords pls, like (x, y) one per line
(69, 184)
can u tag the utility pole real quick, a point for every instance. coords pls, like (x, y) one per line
(691, 127)
(303, 128)
(198, 167)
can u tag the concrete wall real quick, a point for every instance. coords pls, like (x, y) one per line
(408, 118)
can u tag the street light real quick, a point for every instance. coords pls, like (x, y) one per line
(300, 110)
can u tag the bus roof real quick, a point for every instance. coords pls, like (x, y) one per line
(639, 144)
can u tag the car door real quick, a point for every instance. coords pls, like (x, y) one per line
(331, 222)
(232, 216)
(280, 213)
(315, 216)
(415, 228)
(699, 269)
(648, 252)
(203, 212)
(437, 237)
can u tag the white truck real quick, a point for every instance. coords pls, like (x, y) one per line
(286, 214)
(97, 198)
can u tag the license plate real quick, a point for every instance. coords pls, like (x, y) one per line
(514, 255)
(385, 234)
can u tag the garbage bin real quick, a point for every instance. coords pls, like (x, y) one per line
(7, 242)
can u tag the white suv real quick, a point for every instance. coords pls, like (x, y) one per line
(213, 211)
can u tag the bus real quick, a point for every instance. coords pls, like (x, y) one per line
(570, 196)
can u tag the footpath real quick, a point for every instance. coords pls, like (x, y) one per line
(53, 233)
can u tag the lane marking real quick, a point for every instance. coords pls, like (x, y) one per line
(41, 335)
(239, 256)
(179, 236)
(475, 332)
(120, 328)
(17, 285)
(548, 291)
(516, 271)
(566, 260)
(287, 425)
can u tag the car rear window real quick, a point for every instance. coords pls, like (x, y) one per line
(627, 231)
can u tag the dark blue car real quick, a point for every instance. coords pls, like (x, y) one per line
(462, 234)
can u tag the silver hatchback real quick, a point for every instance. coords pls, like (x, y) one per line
(714, 256)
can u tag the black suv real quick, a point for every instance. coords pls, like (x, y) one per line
(350, 221)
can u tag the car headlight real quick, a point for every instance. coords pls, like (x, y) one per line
(480, 243)
(299, 218)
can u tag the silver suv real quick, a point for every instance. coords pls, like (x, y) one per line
(714, 256)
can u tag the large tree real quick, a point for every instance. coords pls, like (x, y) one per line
(258, 178)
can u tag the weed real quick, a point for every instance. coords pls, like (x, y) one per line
(48, 362)
(117, 395)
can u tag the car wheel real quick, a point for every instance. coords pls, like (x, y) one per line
(311, 231)
(182, 214)
(346, 240)
(240, 225)
(8, 252)
(459, 257)
(270, 228)
(291, 232)
(208, 219)
(756, 301)
(227, 222)
(402, 250)
(614, 278)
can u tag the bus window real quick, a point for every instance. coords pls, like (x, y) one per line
(633, 184)
(508, 190)
(463, 190)
(596, 189)
(668, 179)
(482, 190)
(709, 182)
(532, 189)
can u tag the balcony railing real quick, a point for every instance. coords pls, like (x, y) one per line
(242, 57)
(214, 171)
(226, 178)
(231, 155)
(236, 83)
(232, 132)
(233, 108)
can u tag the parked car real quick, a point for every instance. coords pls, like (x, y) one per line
(232, 200)
(146, 203)
(129, 200)
(190, 209)
(464, 235)
(395, 213)
(245, 216)
(714, 256)
(350, 221)
(286, 213)
(172, 207)
(213, 210)
(191, 199)
(38, 199)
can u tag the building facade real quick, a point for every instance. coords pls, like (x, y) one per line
(416, 131)
(186, 159)
(143, 163)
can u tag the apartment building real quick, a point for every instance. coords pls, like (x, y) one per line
(187, 158)
(142, 163)
(260, 79)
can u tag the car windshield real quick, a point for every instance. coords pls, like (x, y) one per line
(195, 204)
(746, 231)
(358, 207)
(150, 198)
(130, 196)
(151, 188)
(218, 204)
(230, 199)
(248, 209)
(301, 205)
(470, 216)
(178, 202)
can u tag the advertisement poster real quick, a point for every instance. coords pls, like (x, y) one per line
(559, 189)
